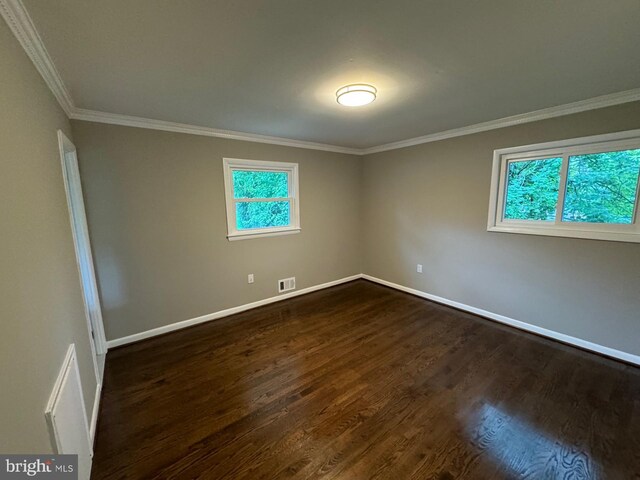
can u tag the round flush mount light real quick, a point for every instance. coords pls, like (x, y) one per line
(356, 95)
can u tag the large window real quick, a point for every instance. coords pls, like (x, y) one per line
(584, 188)
(262, 198)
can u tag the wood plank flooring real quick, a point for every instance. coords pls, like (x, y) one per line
(363, 382)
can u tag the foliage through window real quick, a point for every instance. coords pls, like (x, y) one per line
(602, 187)
(585, 188)
(532, 189)
(261, 198)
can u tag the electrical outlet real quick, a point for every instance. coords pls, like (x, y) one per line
(250, 278)
(419, 268)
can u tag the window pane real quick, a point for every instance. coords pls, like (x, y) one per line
(262, 214)
(532, 189)
(602, 187)
(260, 184)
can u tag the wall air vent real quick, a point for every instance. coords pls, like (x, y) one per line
(286, 284)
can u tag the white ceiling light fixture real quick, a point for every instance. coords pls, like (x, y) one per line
(356, 95)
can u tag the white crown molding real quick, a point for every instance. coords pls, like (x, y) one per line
(140, 122)
(544, 114)
(20, 23)
(23, 28)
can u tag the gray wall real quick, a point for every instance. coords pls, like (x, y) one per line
(156, 212)
(155, 203)
(41, 310)
(428, 204)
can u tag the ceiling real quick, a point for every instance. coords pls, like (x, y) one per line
(272, 67)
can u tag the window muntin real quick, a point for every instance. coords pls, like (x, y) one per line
(261, 198)
(593, 183)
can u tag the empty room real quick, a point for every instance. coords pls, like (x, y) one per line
(320, 240)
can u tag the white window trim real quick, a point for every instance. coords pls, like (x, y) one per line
(230, 164)
(565, 148)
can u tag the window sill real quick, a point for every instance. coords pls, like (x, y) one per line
(630, 237)
(272, 233)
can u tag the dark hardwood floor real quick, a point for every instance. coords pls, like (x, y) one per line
(363, 382)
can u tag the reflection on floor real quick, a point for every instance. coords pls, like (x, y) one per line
(360, 381)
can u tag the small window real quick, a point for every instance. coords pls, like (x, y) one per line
(583, 188)
(261, 197)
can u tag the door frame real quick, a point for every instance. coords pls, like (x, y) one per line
(69, 162)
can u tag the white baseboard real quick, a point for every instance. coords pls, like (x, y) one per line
(561, 337)
(94, 413)
(223, 313)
